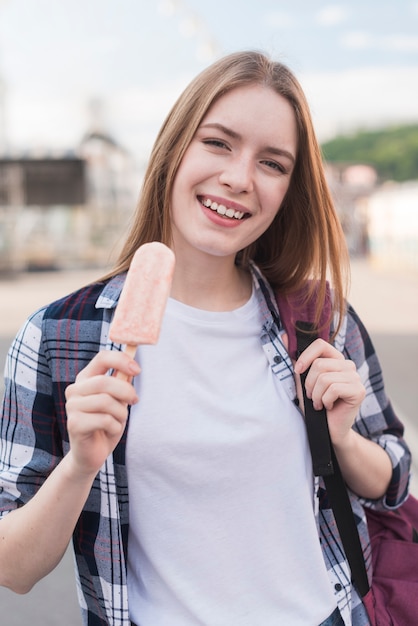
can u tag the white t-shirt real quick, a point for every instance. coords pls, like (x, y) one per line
(222, 527)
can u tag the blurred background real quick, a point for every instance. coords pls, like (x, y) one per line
(85, 86)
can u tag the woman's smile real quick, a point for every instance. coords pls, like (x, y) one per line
(224, 209)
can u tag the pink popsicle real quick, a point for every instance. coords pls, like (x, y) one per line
(142, 303)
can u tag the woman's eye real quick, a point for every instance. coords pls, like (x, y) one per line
(275, 166)
(217, 143)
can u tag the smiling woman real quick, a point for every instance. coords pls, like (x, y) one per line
(202, 507)
(306, 221)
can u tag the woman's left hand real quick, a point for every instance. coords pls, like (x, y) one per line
(332, 383)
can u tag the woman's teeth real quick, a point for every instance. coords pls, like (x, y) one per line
(222, 210)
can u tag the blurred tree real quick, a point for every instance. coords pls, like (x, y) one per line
(392, 151)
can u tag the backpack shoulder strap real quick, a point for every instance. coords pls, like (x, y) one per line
(297, 316)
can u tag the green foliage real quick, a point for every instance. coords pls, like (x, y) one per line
(392, 151)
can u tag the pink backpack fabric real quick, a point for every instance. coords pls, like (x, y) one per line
(394, 541)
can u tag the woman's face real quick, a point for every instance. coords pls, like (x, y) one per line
(235, 173)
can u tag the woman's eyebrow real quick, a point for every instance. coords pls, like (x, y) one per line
(234, 135)
(228, 131)
(281, 152)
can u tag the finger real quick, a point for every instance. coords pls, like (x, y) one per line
(345, 393)
(322, 366)
(89, 424)
(330, 389)
(101, 403)
(106, 360)
(101, 385)
(317, 349)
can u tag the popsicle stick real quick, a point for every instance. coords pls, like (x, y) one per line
(130, 350)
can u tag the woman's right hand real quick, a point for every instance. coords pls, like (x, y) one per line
(35, 536)
(97, 410)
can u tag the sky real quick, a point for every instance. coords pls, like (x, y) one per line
(68, 65)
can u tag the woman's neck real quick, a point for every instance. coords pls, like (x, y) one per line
(214, 284)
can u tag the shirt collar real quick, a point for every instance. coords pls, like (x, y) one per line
(266, 300)
(109, 296)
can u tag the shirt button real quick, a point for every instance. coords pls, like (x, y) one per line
(277, 359)
(338, 587)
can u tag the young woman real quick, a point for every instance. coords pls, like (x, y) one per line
(189, 494)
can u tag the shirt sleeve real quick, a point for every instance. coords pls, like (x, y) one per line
(29, 446)
(377, 419)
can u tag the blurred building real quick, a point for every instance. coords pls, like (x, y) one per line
(65, 211)
(393, 225)
(380, 219)
(113, 180)
(351, 187)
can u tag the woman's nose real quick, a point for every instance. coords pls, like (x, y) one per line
(238, 175)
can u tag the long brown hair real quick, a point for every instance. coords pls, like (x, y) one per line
(305, 240)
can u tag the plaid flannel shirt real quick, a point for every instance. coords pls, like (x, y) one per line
(56, 343)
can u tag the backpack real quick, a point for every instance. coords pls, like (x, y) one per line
(392, 598)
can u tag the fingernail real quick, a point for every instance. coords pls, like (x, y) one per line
(134, 368)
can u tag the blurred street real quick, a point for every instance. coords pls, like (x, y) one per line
(386, 301)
